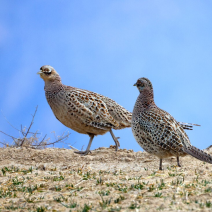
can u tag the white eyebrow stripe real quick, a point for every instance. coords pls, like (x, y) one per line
(49, 71)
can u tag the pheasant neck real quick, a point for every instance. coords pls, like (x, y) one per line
(53, 85)
(144, 100)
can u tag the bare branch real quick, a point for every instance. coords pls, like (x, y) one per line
(58, 140)
(41, 142)
(73, 148)
(7, 135)
(29, 125)
(3, 143)
(9, 122)
(22, 132)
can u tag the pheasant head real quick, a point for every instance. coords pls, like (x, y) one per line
(145, 88)
(143, 84)
(48, 73)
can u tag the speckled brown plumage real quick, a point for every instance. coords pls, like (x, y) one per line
(84, 111)
(157, 132)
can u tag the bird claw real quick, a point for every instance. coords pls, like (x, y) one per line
(117, 143)
(83, 153)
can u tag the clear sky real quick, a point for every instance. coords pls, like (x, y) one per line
(105, 46)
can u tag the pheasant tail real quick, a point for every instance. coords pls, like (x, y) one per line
(199, 154)
(188, 126)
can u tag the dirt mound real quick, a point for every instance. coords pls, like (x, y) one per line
(105, 180)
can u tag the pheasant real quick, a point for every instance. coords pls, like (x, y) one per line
(83, 111)
(157, 132)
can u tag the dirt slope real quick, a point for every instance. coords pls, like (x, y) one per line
(60, 180)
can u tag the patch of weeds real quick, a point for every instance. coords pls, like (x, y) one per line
(99, 181)
(104, 203)
(207, 190)
(137, 186)
(4, 194)
(27, 171)
(57, 188)
(100, 172)
(124, 189)
(134, 206)
(161, 185)
(87, 176)
(110, 184)
(189, 185)
(4, 171)
(172, 174)
(30, 199)
(104, 193)
(57, 199)
(56, 178)
(11, 207)
(177, 182)
(197, 178)
(79, 188)
(31, 189)
(16, 181)
(41, 197)
(115, 173)
(151, 187)
(171, 168)
(29, 178)
(119, 199)
(208, 204)
(71, 205)
(153, 174)
(11, 170)
(41, 209)
(158, 194)
(54, 169)
(47, 178)
(174, 197)
(201, 205)
(205, 182)
(86, 208)
(69, 186)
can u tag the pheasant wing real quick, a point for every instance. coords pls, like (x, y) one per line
(91, 109)
(163, 130)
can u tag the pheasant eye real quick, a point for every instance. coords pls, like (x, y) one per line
(142, 84)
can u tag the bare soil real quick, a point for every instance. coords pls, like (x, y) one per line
(105, 180)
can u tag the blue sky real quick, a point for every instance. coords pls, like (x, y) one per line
(105, 46)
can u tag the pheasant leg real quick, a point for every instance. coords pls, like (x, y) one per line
(178, 161)
(160, 166)
(88, 147)
(115, 140)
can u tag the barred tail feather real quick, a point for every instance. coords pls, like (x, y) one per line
(187, 126)
(199, 154)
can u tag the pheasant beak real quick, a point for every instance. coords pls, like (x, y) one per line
(135, 84)
(39, 72)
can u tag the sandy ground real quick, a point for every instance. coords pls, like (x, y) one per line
(105, 180)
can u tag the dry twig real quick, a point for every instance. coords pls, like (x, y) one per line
(32, 141)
